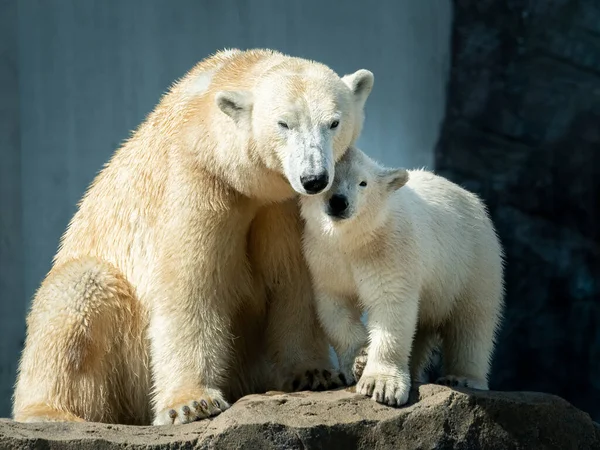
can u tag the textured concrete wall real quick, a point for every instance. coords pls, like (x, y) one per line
(12, 299)
(90, 70)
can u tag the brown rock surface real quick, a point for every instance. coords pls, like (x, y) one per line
(437, 418)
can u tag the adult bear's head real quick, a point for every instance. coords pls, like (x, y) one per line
(302, 118)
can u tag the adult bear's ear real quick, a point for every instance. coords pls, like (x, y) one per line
(236, 104)
(360, 83)
(394, 179)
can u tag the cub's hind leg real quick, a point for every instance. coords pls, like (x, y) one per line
(424, 342)
(84, 357)
(469, 336)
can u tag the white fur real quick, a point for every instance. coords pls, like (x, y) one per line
(295, 115)
(180, 284)
(415, 255)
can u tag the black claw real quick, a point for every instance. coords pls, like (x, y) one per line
(186, 410)
(327, 375)
(204, 404)
(336, 384)
(450, 382)
(172, 413)
(296, 384)
(343, 379)
(195, 405)
(311, 378)
(217, 404)
(305, 386)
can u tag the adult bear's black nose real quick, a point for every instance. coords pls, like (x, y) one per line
(313, 184)
(337, 205)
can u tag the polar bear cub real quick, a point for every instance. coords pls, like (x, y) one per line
(420, 255)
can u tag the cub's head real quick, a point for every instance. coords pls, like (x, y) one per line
(301, 117)
(359, 192)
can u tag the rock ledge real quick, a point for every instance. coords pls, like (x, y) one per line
(437, 417)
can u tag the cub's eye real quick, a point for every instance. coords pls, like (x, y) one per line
(283, 125)
(334, 124)
(362, 183)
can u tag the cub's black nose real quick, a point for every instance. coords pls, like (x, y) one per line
(338, 205)
(313, 184)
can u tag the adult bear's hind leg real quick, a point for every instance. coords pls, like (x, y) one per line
(84, 357)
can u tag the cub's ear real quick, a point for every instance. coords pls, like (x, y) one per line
(236, 104)
(360, 83)
(394, 179)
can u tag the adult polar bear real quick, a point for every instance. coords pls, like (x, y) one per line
(191, 237)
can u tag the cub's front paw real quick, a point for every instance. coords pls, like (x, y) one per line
(352, 364)
(360, 363)
(458, 381)
(190, 408)
(392, 390)
(318, 380)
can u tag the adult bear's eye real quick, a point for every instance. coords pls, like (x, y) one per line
(283, 125)
(334, 124)
(362, 183)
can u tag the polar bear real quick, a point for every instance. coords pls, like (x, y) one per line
(420, 255)
(180, 284)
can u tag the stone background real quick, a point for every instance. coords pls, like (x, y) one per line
(523, 130)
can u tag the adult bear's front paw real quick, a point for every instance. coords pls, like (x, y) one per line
(191, 407)
(317, 380)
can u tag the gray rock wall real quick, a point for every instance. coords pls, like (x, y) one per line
(523, 130)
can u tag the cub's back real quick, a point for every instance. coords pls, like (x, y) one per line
(450, 224)
(439, 198)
